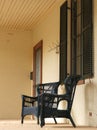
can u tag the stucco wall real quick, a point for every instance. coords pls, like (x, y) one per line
(15, 65)
(48, 31)
(86, 94)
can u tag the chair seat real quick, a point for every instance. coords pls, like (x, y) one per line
(57, 113)
(30, 110)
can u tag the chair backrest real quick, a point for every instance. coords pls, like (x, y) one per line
(51, 88)
(70, 86)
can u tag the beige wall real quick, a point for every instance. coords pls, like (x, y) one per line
(15, 65)
(16, 49)
(86, 94)
(48, 31)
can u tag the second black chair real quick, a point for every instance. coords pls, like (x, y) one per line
(32, 105)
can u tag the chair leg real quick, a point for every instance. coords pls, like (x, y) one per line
(42, 120)
(72, 121)
(22, 118)
(42, 123)
(38, 120)
(55, 120)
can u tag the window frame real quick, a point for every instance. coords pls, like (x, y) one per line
(70, 67)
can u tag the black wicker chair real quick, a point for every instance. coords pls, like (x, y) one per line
(50, 88)
(32, 105)
(28, 106)
(50, 102)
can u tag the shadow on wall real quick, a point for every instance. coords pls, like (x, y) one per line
(89, 103)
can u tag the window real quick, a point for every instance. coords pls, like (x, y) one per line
(76, 44)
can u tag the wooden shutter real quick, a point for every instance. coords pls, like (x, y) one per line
(73, 37)
(63, 41)
(87, 38)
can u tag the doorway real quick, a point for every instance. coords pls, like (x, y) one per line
(37, 65)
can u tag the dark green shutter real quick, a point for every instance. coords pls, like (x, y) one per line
(63, 41)
(87, 30)
(73, 37)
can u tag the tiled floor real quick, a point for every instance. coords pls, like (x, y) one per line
(29, 125)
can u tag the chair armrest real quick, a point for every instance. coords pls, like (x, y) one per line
(53, 100)
(28, 100)
(60, 96)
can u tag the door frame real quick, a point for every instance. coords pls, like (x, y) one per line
(39, 45)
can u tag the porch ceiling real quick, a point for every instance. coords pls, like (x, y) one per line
(23, 14)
